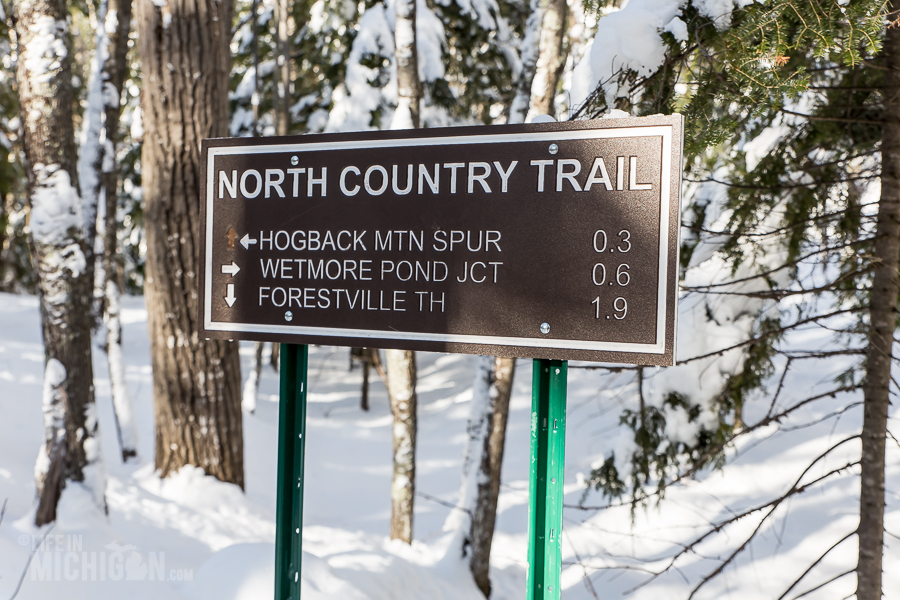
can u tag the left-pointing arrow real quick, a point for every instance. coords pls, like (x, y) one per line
(229, 297)
(231, 269)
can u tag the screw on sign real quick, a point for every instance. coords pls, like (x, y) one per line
(467, 240)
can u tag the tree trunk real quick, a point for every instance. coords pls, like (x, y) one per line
(542, 61)
(251, 386)
(118, 25)
(401, 364)
(99, 185)
(484, 516)
(409, 88)
(401, 376)
(283, 72)
(44, 75)
(196, 383)
(882, 324)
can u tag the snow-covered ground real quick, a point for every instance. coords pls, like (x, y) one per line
(193, 537)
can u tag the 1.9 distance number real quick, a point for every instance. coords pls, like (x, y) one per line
(620, 308)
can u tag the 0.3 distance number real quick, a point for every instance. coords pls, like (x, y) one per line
(601, 242)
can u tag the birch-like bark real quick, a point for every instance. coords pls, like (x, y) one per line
(99, 184)
(401, 364)
(882, 324)
(542, 61)
(196, 384)
(44, 78)
(409, 87)
(401, 384)
(118, 25)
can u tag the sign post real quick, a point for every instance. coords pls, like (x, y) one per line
(553, 241)
(291, 444)
(545, 487)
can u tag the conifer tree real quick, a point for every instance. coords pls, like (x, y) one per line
(818, 79)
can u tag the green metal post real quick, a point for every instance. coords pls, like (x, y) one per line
(545, 490)
(291, 442)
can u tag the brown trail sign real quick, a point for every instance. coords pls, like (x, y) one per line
(556, 240)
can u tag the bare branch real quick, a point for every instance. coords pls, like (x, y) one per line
(812, 566)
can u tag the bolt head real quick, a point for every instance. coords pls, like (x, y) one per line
(295, 161)
(554, 148)
(545, 328)
(288, 316)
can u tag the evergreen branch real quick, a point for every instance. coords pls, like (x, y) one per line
(786, 229)
(703, 459)
(780, 294)
(745, 186)
(831, 415)
(768, 334)
(833, 119)
(772, 505)
(766, 274)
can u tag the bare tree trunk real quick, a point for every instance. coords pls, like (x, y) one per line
(276, 350)
(542, 61)
(44, 77)
(401, 364)
(283, 72)
(882, 323)
(251, 386)
(254, 98)
(401, 376)
(196, 383)
(409, 88)
(484, 516)
(99, 183)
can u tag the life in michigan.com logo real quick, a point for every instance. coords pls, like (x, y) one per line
(63, 558)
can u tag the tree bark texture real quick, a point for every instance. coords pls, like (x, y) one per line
(550, 60)
(882, 324)
(115, 18)
(401, 379)
(542, 61)
(409, 88)
(522, 100)
(196, 383)
(283, 72)
(485, 514)
(44, 75)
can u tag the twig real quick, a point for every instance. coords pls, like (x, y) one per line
(28, 562)
(812, 566)
(821, 585)
(444, 503)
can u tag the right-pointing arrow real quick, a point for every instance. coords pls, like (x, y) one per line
(231, 269)
(246, 241)
(229, 297)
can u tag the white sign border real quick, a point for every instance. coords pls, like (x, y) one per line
(664, 131)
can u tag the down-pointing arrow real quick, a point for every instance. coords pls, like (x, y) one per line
(229, 297)
(231, 269)
(246, 241)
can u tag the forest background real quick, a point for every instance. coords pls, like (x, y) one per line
(791, 226)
